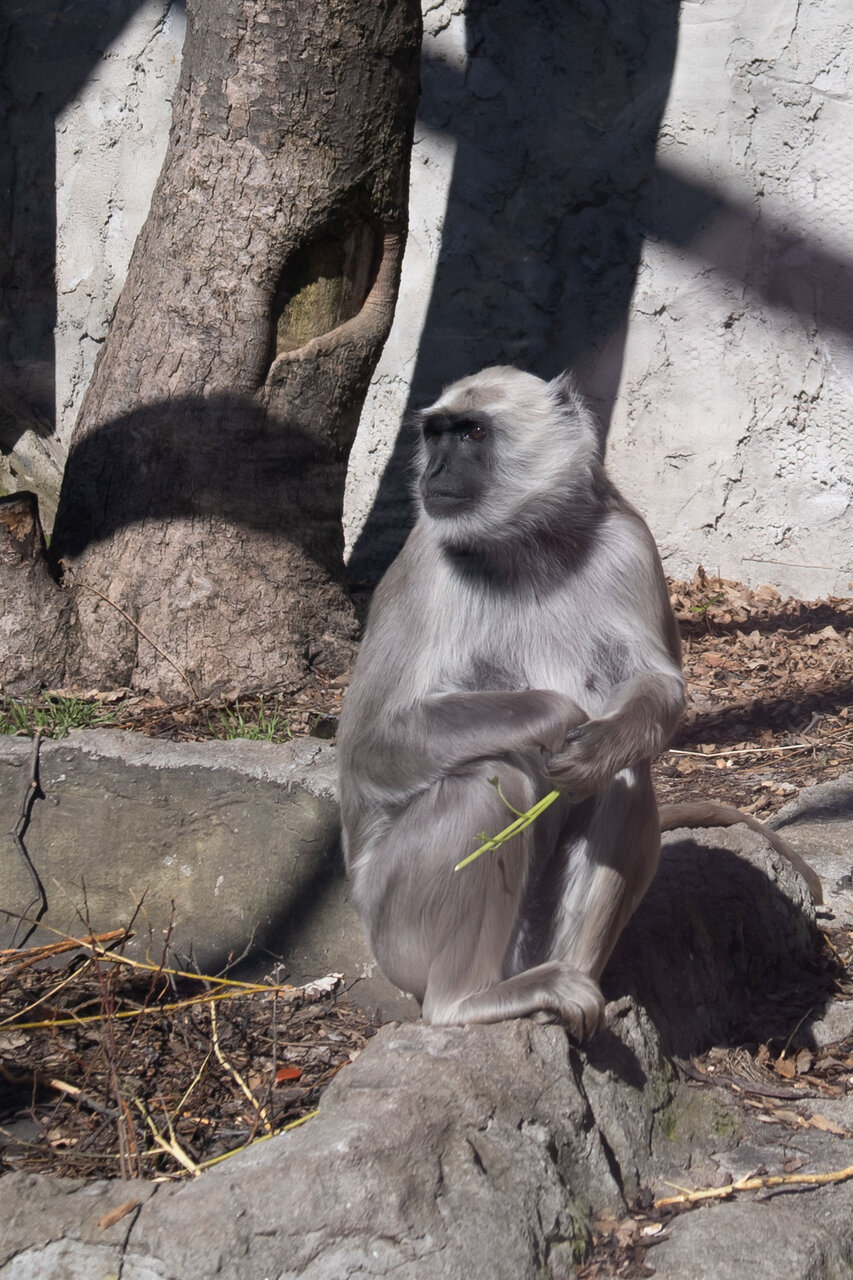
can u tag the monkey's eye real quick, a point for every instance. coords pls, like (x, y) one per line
(474, 432)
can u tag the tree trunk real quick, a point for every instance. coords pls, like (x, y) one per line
(34, 618)
(199, 525)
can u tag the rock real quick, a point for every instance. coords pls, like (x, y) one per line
(804, 1236)
(819, 821)
(438, 1154)
(726, 921)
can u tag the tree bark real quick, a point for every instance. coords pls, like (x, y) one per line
(34, 618)
(201, 504)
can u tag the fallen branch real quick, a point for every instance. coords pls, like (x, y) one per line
(264, 1137)
(171, 1147)
(50, 949)
(17, 833)
(115, 1215)
(260, 1110)
(742, 751)
(754, 1184)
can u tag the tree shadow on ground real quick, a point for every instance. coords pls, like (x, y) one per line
(748, 719)
(717, 953)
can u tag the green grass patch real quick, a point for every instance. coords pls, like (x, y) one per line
(260, 721)
(52, 715)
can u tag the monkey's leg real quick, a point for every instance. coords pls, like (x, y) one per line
(444, 935)
(553, 991)
(592, 865)
(471, 978)
(609, 865)
(438, 933)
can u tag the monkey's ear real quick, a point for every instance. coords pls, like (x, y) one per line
(565, 388)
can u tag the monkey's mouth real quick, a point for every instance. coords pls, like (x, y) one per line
(437, 503)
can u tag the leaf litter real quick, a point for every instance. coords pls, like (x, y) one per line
(113, 1068)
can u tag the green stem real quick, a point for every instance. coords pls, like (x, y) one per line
(515, 828)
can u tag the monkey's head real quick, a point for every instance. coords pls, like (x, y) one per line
(504, 454)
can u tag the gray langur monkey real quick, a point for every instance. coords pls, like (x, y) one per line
(525, 633)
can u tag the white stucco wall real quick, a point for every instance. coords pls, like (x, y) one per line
(734, 423)
(731, 423)
(110, 144)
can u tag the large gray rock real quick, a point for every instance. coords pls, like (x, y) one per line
(726, 922)
(445, 1153)
(438, 1155)
(805, 1235)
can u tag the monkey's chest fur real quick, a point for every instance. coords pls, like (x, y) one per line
(553, 640)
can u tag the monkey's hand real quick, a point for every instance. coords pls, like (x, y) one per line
(588, 758)
(635, 726)
(565, 718)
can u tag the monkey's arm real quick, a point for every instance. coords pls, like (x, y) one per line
(646, 693)
(410, 749)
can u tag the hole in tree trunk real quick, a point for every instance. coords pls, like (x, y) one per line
(325, 283)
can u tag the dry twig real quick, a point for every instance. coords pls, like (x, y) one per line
(686, 1196)
(17, 834)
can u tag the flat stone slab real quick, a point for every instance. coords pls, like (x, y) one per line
(229, 849)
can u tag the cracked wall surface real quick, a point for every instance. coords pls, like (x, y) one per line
(657, 197)
(110, 144)
(738, 373)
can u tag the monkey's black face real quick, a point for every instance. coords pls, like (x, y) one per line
(458, 451)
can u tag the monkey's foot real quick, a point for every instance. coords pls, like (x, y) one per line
(553, 992)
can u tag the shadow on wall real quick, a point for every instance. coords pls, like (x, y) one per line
(555, 188)
(50, 49)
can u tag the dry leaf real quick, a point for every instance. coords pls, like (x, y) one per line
(653, 1229)
(804, 1061)
(288, 1073)
(789, 1117)
(322, 986)
(116, 1215)
(821, 1122)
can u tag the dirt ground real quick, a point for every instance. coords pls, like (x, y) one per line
(110, 1070)
(770, 695)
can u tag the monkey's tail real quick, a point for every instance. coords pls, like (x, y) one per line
(708, 814)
